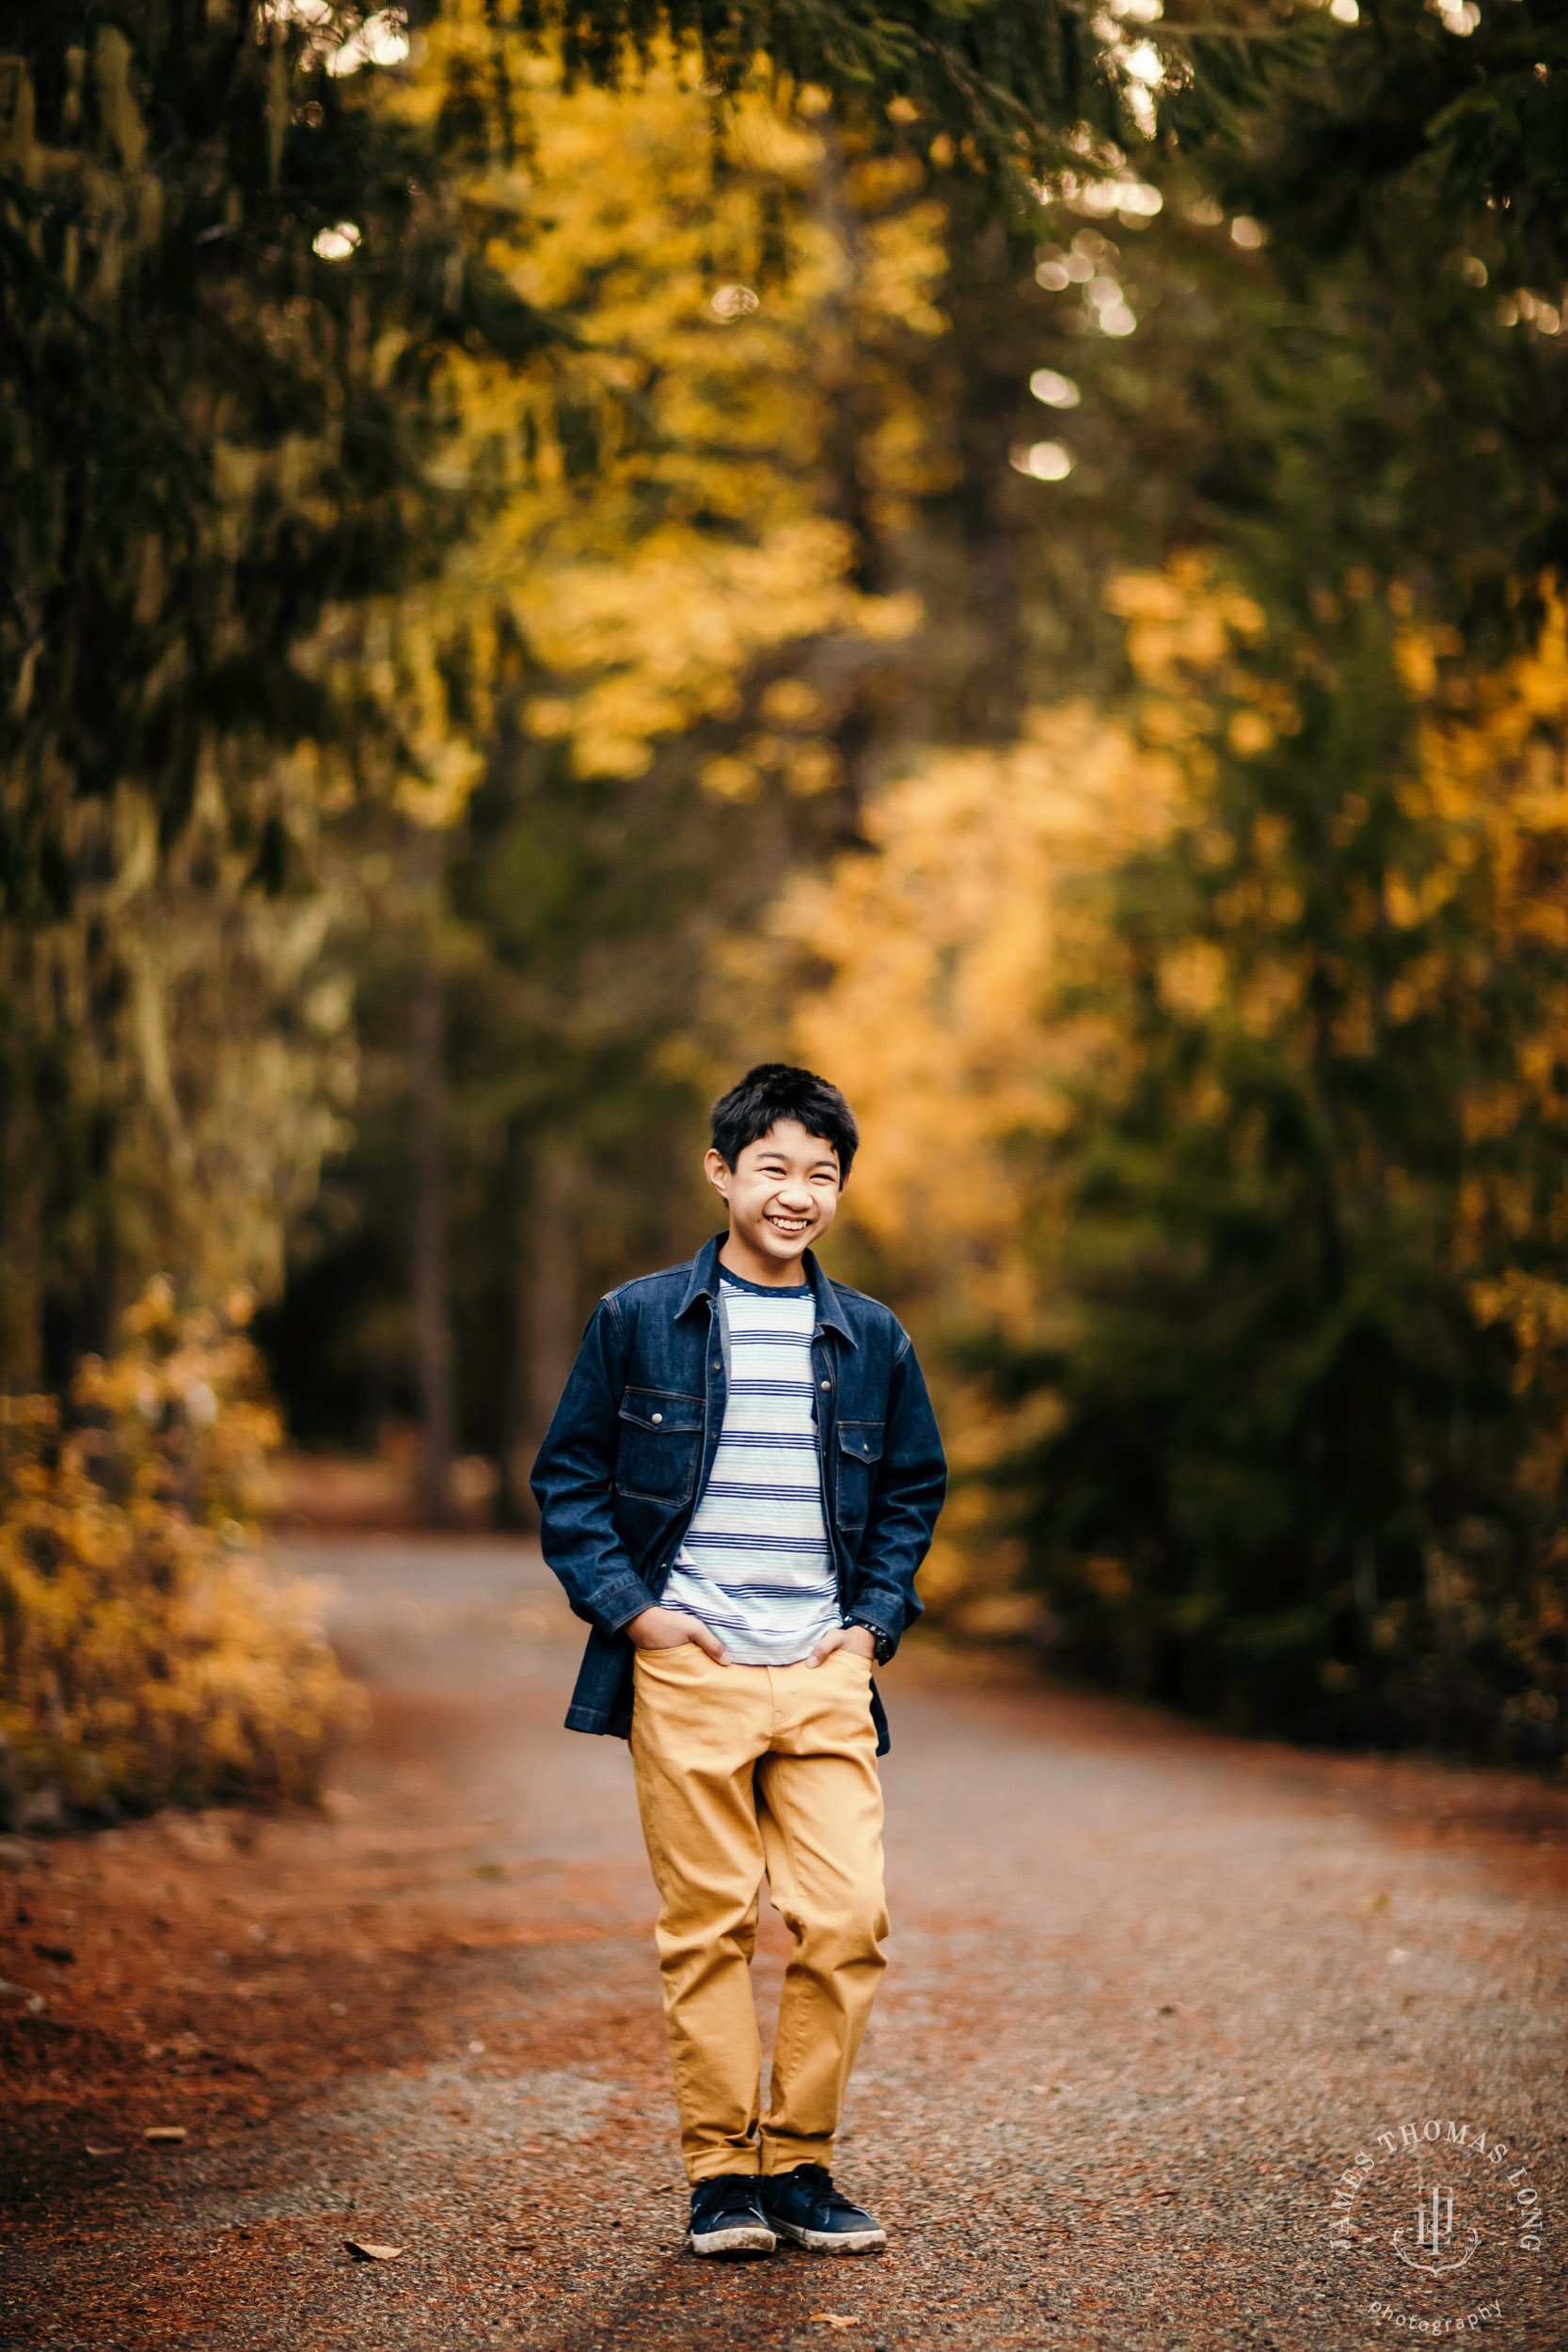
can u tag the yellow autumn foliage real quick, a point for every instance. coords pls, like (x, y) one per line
(148, 1655)
(935, 967)
(964, 981)
(652, 515)
(936, 960)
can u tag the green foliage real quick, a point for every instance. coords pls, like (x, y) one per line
(574, 917)
(235, 278)
(1007, 80)
(210, 437)
(1293, 1475)
(1415, 117)
(1303, 1467)
(1400, 395)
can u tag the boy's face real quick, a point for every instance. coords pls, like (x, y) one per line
(782, 1192)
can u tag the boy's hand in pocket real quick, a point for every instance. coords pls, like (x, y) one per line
(667, 1629)
(857, 1638)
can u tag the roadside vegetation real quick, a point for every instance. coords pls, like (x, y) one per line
(149, 1655)
(1016, 559)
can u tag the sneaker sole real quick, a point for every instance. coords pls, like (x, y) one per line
(747, 2238)
(834, 2241)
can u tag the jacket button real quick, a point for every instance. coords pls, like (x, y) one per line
(827, 1383)
(658, 1417)
(716, 1363)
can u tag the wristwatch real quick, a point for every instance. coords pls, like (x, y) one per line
(882, 1644)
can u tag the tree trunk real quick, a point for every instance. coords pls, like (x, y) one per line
(999, 683)
(431, 1313)
(547, 1313)
(993, 365)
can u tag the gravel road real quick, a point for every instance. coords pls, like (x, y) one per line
(1156, 1999)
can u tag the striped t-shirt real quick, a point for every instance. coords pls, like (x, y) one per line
(756, 1564)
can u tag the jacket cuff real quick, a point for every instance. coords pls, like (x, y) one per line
(622, 1603)
(878, 1609)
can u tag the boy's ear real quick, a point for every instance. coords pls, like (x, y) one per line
(717, 1172)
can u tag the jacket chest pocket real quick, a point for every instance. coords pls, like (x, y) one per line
(858, 1454)
(660, 1447)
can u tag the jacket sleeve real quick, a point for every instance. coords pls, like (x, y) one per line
(573, 1478)
(911, 1485)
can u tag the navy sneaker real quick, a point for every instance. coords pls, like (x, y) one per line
(804, 2206)
(727, 2217)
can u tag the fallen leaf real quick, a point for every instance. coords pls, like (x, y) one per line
(102, 2152)
(364, 2252)
(834, 2319)
(165, 2133)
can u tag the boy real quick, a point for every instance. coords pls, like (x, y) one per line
(738, 1488)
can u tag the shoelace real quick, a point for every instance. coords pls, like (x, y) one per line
(734, 2197)
(823, 2189)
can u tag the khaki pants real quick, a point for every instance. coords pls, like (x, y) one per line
(742, 1770)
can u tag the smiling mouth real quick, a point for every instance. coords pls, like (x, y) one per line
(789, 1225)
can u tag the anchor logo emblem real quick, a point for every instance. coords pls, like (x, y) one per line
(1433, 2249)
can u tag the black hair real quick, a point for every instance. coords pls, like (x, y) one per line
(775, 1090)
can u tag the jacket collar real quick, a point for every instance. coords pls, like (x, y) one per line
(704, 1283)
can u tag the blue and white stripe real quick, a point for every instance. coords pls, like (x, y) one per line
(756, 1564)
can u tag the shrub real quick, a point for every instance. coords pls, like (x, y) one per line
(148, 1655)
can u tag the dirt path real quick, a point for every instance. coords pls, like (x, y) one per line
(1151, 1992)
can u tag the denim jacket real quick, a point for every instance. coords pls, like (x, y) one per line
(629, 1453)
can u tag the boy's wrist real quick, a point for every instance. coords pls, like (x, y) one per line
(657, 1627)
(882, 1642)
(620, 1607)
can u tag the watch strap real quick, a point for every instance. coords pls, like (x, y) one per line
(882, 1645)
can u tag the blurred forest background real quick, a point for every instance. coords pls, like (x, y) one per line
(1012, 553)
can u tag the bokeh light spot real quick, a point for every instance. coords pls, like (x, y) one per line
(1056, 392)
(1043, 461)
(734, 302)
(335, 244)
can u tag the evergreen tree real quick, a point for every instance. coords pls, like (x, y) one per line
(233, 280)
(1293, 1476)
